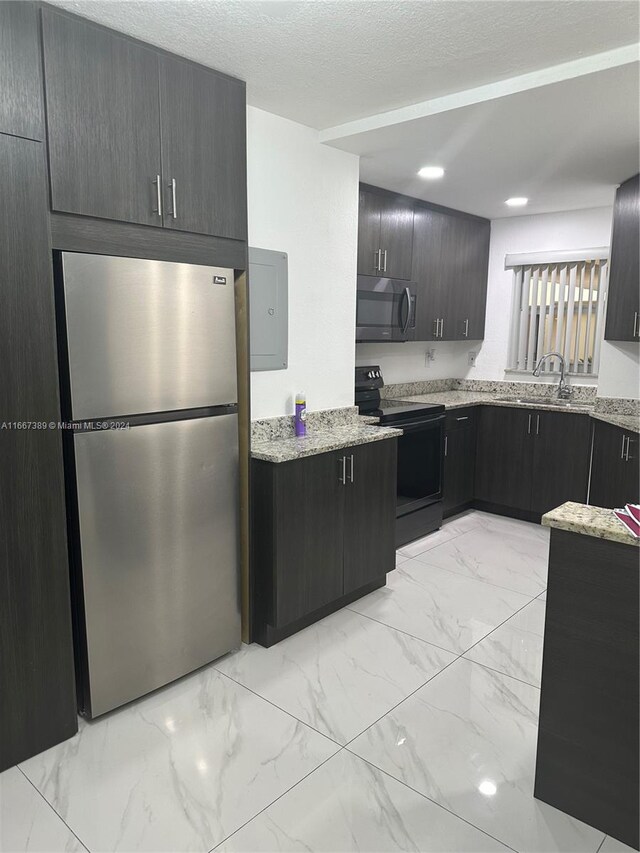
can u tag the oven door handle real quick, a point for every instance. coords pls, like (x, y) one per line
(413, 426)
(404, 326)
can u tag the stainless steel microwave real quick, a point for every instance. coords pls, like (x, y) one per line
(385, 309)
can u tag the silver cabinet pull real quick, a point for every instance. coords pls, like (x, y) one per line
(626, 455)
(384, 267)
(435, 328)
(441, 326)
(351, 468)
(343, 470)
(465, 418)
(376, 260)
(622, 451)
(158, 208)
(446, 444)
(529, 427)
(537, 424)
(635, 325)
(174, 210)
(466, 328)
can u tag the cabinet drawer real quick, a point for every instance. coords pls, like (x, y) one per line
(460, 419)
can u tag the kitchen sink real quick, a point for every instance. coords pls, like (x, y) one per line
(537, 401)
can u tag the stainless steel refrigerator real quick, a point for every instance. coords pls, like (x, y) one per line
(153, 507)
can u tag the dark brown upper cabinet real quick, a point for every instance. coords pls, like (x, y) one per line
(467, 287)
(623, 300)
(427, 271)
(385, 235)
(20, 83)
(103, 120)
(137, 135)
(203, 149)
(450, 264)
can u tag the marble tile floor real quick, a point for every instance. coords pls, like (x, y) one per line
(404, 722)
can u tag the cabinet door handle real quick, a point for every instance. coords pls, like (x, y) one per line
(529, 427)
(343, 470)
(622, 451)
(635, 325)
(441, 326)
(537, 424)
(465, 418)
(376, 260)
(435, 328)
(351, 468)
(446, 444)
(384, 266)
(174, 209)
(466, 328)
(158, 208)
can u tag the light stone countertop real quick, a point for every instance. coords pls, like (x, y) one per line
(460, 399)
(320, 441)
(590, 521)
(628, 422)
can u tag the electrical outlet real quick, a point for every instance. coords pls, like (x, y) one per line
(472, 358)
(429, 356)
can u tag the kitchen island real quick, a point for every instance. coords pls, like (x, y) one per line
(587, 760)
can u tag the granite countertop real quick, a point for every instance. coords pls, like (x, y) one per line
(320, 441)
(589, 520)
(459, 399)
(630, 422)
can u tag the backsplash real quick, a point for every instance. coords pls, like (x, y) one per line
(581, 393)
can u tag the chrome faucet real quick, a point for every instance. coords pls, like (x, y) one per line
(564, 391)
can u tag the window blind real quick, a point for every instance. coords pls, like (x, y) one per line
(558, 307)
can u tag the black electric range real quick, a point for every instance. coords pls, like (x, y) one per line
(420, 454)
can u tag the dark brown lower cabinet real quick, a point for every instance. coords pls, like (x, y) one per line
(323, 534)
(37, 684)
(587, 761)
(529, 461)
(615, 473)
(560, 460)
(369, 514)
(459, 460)
(504, 457)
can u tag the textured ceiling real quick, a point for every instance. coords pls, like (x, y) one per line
(564, 146)
(324, 62)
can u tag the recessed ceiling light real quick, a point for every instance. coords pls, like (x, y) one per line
(431, 172)
(517, 201)
(487, 787)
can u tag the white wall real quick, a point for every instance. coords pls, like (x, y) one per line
(619, 363)
(303, 200)
(574, 229)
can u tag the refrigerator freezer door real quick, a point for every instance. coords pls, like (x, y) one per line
(147, 336)
(158, 517)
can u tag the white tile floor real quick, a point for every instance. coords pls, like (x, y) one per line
(405, 722)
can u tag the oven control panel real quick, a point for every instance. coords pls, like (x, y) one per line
(369, 377)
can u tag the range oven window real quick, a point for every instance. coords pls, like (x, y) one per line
(419, 465)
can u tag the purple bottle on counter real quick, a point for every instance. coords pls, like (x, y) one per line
(301, 415)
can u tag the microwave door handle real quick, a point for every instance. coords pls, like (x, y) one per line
(407, 295)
